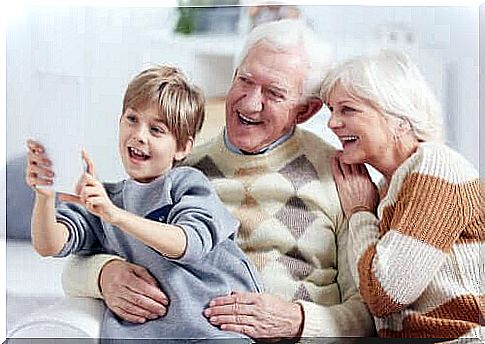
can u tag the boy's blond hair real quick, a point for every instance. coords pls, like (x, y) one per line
(181, 105)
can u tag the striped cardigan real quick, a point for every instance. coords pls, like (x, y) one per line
(417, 264)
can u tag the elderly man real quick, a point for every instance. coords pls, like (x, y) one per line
(275, 178)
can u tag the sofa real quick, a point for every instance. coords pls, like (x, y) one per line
(35, 303)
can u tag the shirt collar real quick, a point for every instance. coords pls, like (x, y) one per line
(232, 148)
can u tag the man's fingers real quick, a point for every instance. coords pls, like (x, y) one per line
(133, 309)
(154, 291)
(123, 314)
(144, 302)
(233, 319)
(145, 275)
(150, 293)
(235, 297)
(145, 291)
(249, 331)
(231, 309)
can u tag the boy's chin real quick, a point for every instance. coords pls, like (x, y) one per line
(144, 180)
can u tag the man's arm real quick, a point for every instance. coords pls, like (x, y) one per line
(127, 289)
(349, 318)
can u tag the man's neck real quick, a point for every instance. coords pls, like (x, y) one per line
(231, 147)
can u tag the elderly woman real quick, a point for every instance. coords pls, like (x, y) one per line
(415, 240)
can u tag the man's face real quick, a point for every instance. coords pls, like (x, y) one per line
(262, 103)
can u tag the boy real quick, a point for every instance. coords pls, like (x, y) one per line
(167, 219)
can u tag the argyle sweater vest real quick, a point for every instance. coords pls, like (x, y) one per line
(289, 211)
(418, 263)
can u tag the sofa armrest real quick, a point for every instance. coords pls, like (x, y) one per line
(71, 317)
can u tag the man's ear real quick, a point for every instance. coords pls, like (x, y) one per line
(308, 109)
(184, 150)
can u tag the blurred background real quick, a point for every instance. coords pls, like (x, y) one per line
(69, 66)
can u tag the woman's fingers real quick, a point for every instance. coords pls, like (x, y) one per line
(346, 169)
(336, 170)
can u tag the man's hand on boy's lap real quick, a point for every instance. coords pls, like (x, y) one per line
(131, 292)
(256, 315)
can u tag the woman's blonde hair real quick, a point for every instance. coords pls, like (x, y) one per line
(393, 84)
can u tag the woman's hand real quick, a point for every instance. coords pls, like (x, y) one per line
(38, 171)
(256, 315)
(356, 190)
(91, 194)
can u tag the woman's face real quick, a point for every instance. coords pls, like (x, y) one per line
(363, 130)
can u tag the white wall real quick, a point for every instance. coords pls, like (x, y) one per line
(445, 46)
(95, 51)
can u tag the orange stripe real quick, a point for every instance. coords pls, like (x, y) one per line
(473, 232)
(450, 320)
(385, 222)
(379, 303)
(474, 201)
(465, 307)
(432, 210)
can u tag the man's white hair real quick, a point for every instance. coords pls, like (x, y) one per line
(286, 35)
(392, 83)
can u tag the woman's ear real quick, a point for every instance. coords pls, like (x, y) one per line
(184, 150)
(403, 127)
(308, 109)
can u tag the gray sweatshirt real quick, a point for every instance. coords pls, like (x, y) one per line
(212, 265)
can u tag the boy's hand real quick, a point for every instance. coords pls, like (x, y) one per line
(38, 171)
(91, 194)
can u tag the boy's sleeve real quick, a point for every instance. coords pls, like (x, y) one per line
(83, 229)
(200, 213)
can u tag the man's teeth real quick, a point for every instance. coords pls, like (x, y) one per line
(349, 138)
(246, 120)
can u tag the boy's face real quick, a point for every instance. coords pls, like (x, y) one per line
(147, 148)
